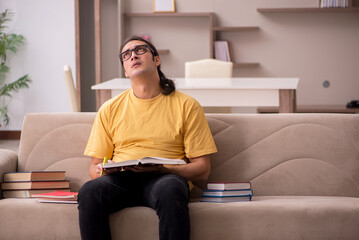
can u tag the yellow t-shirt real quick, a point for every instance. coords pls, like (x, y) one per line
(172, 126)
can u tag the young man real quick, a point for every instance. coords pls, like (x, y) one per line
(151, 119)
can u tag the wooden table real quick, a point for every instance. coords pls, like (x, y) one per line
(223, 92)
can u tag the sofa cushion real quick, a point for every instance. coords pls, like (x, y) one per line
(277, 217)
(272, 217)
(30, 219)
(56, 141)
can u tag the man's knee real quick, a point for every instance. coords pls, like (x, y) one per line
(93, 188)
(172, 186)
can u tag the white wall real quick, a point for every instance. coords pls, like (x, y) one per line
(49, 28)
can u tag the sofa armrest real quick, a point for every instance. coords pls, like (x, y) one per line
(8, 163)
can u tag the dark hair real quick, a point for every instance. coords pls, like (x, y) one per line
(167, 85)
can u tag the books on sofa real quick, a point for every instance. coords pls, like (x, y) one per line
(57, 197)
(34, 176)
(57, 201)
(64, 195)
(223, 192)
(25, 185)
(146, 160)
(28, 193)
(227, 193)
(227, 199)
(228, 185)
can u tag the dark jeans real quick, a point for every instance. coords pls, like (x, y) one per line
(167, 194)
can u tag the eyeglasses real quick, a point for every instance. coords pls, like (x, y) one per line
(139, 50)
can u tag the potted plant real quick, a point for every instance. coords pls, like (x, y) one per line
(9, 44)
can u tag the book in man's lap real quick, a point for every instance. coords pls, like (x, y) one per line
(145, 160)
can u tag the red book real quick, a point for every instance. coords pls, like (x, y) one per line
(57, 195)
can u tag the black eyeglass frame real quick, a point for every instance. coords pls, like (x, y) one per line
(133, 50)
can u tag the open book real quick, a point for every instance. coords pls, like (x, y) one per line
(146, 160)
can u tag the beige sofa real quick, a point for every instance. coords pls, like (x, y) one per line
(304, 169)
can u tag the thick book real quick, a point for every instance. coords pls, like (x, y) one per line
(221, 51)
(228, 185)
(34, 185)
(227, 199)
(57, 195)
(34, 176)
(146, 160)
(226, 193)
(28, 193)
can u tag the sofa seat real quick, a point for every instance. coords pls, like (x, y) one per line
(284, 217)
(56, 221)
(278, 217)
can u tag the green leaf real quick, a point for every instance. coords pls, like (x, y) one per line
(3, 115)
(22, 82)
(4, 18)
(3, 71)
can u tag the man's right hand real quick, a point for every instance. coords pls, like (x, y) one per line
(96, 167)
(106, 171)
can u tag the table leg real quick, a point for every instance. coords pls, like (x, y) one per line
(287, 101)
(101, 97)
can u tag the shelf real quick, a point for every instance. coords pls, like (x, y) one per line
(244, 64)
(232, 29)
(194, 14)
(209, 15)
(304, 10)
(212, 29)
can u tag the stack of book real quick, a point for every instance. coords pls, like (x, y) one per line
(26, 184)
(221, 51)
(334, 3)
(227, 192)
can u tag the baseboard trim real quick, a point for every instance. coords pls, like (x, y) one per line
(13, 135)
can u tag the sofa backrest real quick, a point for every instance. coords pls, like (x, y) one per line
(56, 141)
(288, 154)
(281, 154)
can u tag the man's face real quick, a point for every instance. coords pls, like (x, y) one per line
(137, 65)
